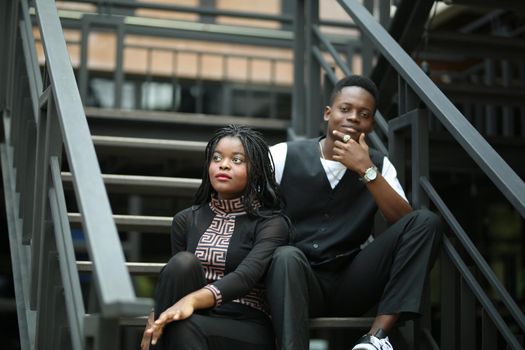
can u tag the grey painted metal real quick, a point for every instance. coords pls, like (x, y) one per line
(66, 256)
(507, 181)
(367, 49)
(40, 195)
(142, 223)
(489, 336)
(119, 63)
(153, 144)
(331, 49)
(30, 56)
(299, 94)
(341, 322)
(114, 285)
(470, 248)
(44, 269)
(377, 143)
(135, 268)
(449, 304)
(192, 9)
(5, 29)
(19, 253)
(420, 157)
(103, 332)
(184, 118)
(83, 74)
(467, 317)
(384, 13)
(166, 186)
(324, 64)
(477, 290)
(11, 17)
(313, 101)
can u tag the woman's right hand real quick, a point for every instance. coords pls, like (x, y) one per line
(146, 336)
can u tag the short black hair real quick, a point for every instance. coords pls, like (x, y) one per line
(261, 186)
(355, 80)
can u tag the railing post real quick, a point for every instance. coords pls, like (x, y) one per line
(467, 318)
(449, 303)
(299, 84)
(420, 158)
(367, 50)
(313, 80)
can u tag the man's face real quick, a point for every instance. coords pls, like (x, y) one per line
(351, 112)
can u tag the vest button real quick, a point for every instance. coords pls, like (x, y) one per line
(323, 229)
(315, 245)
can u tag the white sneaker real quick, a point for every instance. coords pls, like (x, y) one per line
(379, 341)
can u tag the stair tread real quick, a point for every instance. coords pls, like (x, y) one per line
(148, 143)
(316, 322)
(142, 223)
(184, 118)
(142, 180)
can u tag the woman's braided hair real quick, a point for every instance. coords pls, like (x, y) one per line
(261, 185)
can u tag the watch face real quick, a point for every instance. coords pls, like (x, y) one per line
(371, 174)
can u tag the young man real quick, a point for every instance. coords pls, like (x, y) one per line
(332, 187)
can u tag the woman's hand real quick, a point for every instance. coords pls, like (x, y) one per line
(179, 311)
(146, 337)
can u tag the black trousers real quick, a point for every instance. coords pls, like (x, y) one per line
(389, 273)
(229, 326)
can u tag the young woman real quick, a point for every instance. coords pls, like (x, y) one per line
(209, 294)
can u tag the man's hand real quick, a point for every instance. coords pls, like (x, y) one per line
(353, 155)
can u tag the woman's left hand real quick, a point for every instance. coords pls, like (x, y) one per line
(178, 311)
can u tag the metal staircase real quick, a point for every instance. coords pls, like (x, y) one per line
(115, 177)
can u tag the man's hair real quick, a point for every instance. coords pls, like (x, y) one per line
(355, 80)
(261, 185)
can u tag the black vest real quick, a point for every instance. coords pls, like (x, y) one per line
(329, 223)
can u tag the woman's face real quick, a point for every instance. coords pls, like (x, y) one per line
(228, 169)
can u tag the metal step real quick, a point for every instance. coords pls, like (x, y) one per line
(135, 268)
(175, 126)
(135, 184)
(315, 323)
(150, 224)
(149, 144)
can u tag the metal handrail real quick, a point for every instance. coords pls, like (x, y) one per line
(114, 287)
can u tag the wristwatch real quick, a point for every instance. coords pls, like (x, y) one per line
(370, 174)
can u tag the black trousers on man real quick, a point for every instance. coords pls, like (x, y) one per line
(229, 326)
(390, 272)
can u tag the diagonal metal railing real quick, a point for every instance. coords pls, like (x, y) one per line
(42, 119)
(471, 293)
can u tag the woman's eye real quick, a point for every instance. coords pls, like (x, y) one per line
(237, 160)
(217, 158)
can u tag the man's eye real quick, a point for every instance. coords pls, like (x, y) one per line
(364, 115)
(343, 109)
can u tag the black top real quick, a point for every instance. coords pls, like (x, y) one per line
(328, 223)
(248, 251)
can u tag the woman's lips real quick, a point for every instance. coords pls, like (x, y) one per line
(222, 177)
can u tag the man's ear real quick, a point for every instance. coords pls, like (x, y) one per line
(327, 111)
